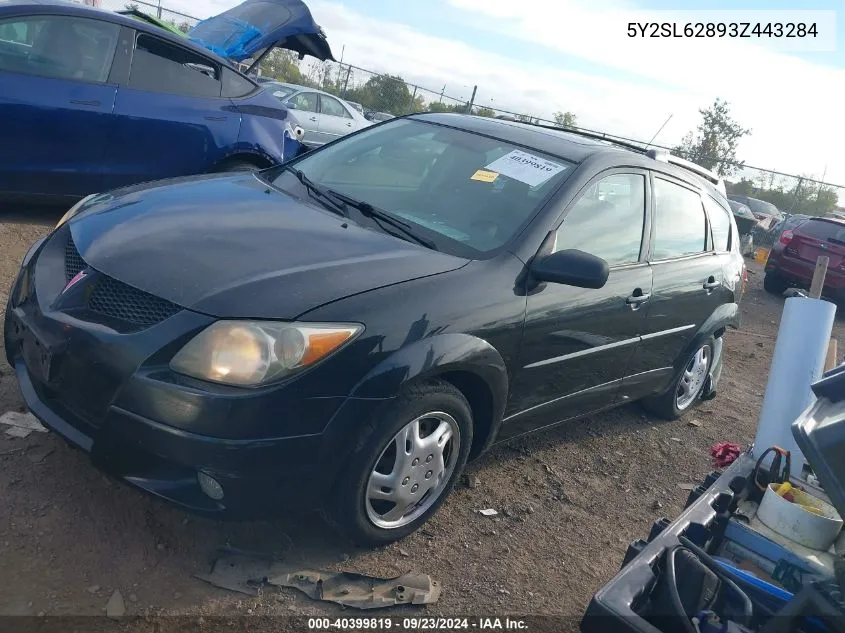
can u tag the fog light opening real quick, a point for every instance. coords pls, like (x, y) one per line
(210, 486)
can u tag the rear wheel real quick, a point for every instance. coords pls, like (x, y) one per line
(774, 283)
(687, 387)
(405, 464)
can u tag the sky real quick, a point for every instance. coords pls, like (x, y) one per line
(540, 56)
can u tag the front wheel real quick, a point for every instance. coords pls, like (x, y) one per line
(687, 387)
(404, 465)
(774, 283)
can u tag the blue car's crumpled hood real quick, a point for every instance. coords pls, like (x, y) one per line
(231, 246)
(255, 25)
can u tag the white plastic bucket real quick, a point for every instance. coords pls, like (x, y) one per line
(816, 531)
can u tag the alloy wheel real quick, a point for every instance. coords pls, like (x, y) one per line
(692, 380)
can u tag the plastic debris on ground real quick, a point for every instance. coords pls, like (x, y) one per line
(248, 573)
(21, 424)
(725, 453)
(488, 512)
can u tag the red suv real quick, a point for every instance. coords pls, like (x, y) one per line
(793, 257)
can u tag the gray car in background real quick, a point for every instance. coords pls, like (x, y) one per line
(323, 116)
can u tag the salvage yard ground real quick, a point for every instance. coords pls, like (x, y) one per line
(569, 501)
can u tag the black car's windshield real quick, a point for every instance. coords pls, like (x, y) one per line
(463, 191)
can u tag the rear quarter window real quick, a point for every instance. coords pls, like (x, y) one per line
(720, 224)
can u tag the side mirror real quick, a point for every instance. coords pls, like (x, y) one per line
(291, 105)
(571, 267)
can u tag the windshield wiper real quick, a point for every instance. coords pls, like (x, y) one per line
(381, 218)
(323, 196)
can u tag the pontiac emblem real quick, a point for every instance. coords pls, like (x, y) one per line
(76, 279)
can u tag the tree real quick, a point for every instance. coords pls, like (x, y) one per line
(713, 144)
(436, 106)
(565, 119)
(798, 195)
(384, 93)
(484, 111)
(282, 65)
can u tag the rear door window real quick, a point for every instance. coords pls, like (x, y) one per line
(159, 66)
(333, 107)
(57, 46)
(680, 226)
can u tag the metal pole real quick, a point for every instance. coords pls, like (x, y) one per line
(340, 64)
(413, 99)
(819, 192)
(471, 100)
(158, 12)
(795, 197)
(346, 83)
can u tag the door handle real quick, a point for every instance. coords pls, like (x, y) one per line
(216, 118)
(85, 102)
(313, 118)
(636, 299)
(348, 125)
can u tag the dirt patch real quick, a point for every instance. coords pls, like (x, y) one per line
(569, 501)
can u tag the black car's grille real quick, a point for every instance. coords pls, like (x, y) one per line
(116, 299)
(73, 260)
(121, 301)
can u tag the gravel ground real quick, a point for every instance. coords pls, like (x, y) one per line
(569, 502)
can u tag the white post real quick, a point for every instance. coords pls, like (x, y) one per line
(800, 352)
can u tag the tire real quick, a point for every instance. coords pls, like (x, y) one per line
(669, 405)
(366, 520)
(774, 283)
(237, 165)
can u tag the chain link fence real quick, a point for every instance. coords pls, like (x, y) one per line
(378, 92)
(175, 19)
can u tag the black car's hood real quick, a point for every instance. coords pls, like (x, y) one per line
(230, 246)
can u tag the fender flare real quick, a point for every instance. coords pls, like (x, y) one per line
(441, 355)
(725, 316)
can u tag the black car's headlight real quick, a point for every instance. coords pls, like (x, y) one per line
(254, 353)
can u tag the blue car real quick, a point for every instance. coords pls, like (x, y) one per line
(92, 100)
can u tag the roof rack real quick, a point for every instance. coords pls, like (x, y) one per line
(665, 157)
(658, 154)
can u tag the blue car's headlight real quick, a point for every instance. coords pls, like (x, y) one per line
(254, 353)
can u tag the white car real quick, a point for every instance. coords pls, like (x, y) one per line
(324, 117)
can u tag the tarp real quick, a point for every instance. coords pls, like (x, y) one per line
(248, 29)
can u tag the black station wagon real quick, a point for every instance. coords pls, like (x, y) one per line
(346, 330)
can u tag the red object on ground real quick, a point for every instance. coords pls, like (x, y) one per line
(725, 453)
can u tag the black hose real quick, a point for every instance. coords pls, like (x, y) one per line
(674, 596)
(710, 563)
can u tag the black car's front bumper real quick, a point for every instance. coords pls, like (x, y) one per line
(109, 392)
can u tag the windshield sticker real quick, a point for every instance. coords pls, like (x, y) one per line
(525, 167)
(484, 176)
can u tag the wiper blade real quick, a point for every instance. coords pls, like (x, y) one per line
(381, 218)
(318, 193)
